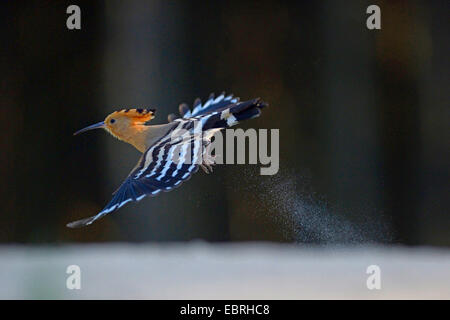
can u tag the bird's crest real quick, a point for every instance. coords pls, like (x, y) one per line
(135, 114)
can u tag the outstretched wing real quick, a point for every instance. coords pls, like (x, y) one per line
(199, 109)
(163, 167)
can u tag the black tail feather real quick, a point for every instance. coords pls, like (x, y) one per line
(234, 113)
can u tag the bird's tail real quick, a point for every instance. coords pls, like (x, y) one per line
(232, 114)
(221, 112)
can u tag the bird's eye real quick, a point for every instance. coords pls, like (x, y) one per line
(112, 120)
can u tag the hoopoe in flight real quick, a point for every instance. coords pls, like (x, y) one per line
(186, 138)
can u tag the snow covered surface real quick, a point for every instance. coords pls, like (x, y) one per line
(199, 270)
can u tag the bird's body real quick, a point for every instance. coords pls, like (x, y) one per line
(172, 152)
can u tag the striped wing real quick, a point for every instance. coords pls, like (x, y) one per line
(210, 105)
(163, 167)
(199, 109)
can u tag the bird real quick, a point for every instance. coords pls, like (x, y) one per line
(187, 137)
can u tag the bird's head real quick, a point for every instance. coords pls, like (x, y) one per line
(123, 124)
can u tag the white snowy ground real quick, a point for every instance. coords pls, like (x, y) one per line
(199, 270)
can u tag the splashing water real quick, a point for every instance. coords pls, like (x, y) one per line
(307, 218)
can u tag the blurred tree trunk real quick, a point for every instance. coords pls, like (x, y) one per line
(350, 124)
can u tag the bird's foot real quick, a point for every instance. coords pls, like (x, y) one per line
(208, 162)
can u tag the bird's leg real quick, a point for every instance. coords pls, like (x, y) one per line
(208, 160)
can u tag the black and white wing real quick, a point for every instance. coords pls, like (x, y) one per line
(222, 112)
(163, 167)
(199, 108)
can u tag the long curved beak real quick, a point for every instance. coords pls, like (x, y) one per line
(94, 126)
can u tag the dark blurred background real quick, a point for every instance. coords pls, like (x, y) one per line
(363, 118)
